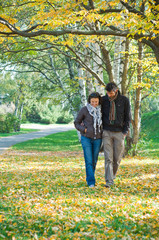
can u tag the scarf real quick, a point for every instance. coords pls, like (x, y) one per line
(97, 116)
(112, 111)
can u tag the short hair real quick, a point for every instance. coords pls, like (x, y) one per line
(95, 95)
(111, 87)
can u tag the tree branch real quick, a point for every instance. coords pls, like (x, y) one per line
(145, 96)
(131, 9)
(56, 33)
(85, 66)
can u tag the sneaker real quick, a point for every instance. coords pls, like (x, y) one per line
(91, 186)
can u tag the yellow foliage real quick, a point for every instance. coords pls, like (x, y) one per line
(1, 218)
(61, 14)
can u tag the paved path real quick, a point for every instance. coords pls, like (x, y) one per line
(6, 142)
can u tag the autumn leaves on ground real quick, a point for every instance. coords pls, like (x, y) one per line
(44, 196)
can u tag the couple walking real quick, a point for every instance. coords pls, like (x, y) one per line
(104, 119)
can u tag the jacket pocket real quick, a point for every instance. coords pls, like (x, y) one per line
(90, 132)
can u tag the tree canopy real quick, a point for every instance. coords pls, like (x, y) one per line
(134, 19)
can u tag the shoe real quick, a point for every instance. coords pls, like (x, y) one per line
(91, 186)
(107, 185)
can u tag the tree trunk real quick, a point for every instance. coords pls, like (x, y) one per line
(137, 104)
(124, 80)
(116, 62)
(97, 67)
(82, 91)
(122, 60)
(70, 68)
(89, 83)
(21, 111)
(107, 62)
(16, 107)
(82, 86)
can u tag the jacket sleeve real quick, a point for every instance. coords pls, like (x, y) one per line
(79, 121)
(127, 116)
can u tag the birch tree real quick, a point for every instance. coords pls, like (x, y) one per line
(137, 103)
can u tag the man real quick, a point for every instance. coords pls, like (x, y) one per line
(116, 120)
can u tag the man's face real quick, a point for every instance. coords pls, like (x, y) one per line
(112, 93)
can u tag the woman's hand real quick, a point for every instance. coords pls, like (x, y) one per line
(85, 130)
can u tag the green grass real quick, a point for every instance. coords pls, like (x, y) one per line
(44, 196)
(64, 141)
(22, 131)
(149, 142)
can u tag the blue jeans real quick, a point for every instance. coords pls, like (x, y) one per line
(91, 149)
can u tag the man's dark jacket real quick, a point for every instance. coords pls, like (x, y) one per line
(123, 115)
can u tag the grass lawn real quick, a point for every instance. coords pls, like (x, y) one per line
(44, 196)
(22, 130)
(64, 141)
(149, 142)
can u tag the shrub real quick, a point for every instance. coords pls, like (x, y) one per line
(32, 115)
(65, 117)
(2, 123)
(9, 123)
(44, 113)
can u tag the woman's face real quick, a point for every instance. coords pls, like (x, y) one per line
(94, 102)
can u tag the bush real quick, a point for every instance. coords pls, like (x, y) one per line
(65, 117)
(46, 114)
(40, 113)
(2, 123)
(32, 115)
(9, 123)
(45, 121)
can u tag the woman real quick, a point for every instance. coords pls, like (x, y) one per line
(89, 123)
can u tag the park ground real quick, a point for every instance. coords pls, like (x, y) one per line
(44, 194)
